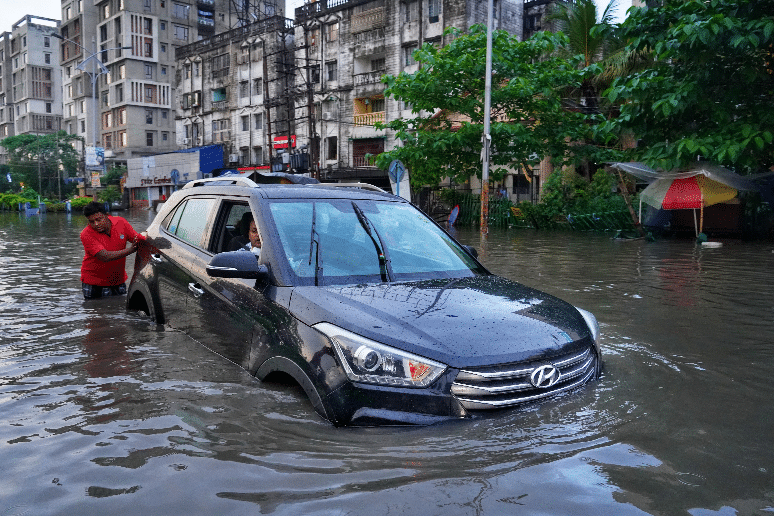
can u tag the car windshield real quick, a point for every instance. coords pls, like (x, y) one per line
(343, 241)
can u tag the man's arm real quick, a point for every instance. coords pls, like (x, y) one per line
(109, 256)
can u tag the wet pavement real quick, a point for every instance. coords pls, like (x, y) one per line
(104, 412)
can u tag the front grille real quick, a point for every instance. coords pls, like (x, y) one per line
(509, 384)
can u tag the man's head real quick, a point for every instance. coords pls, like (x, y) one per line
(255, 238)
(96, 214)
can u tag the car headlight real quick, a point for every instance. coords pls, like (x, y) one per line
(368, 361)
(591, 322)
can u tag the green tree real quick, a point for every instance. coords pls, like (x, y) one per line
(528, 116)
(708, 91)
(36, 160)
(588, 36)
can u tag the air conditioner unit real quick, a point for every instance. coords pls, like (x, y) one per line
(186, 141)
(199, 140)
(233, 158)
(327, 115)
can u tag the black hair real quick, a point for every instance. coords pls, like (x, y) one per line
(94, 207)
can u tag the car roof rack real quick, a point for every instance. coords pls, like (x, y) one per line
(231, 180)
(364, 186)
(249, 183)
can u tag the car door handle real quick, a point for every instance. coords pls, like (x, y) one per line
(196, 289)
(156, 258)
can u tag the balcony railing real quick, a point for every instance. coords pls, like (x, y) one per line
(371, 19)
(369, 118)
(368, 77)
(220, 105)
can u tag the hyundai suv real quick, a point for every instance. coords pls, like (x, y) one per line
(364, 301)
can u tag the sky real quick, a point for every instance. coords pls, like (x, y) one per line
(13, 10)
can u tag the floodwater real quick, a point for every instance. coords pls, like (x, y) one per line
(104, 412)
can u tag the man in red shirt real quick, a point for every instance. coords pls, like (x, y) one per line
(105, 242)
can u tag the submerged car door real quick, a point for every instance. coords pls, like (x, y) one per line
(181, 234)
(234, 316)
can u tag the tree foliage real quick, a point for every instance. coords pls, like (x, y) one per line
(708, 92)
(28, 154)
(528, 118)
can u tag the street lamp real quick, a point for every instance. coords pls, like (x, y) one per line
(94, 74)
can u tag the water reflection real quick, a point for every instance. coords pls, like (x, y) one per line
(107, 412)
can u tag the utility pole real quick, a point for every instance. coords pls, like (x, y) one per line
(487, 112)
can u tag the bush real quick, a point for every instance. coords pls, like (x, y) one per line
(78, 203)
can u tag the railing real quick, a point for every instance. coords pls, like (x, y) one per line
(367, 20)
(220, 105)
(368, 77)
(224, 38)
(361, 162)
(369, 118)
(318, 7)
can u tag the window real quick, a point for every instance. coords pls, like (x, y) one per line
(187, 71)
(332, 148)
(180, 10)
(244, 89)
(148, 116)
(164, 136)
(315, 74)
(163, 48)
(164, 114)
(410, 11)
(258, 86)
(148, 47)
(331, 69)
(46, 42)
(408, 55)
(149, 139)
(332, 31)
(120, 93)
(189, 220)
(221, 130)
(122, 116)
(48, 107)
(163, 25)
(433, 10)
(148, 93)
(148, 71)
(47, 58)
(377, 105)
(181, 32)
(245, 123)
(122, 71)
(163, 70)
(257, 155)
(378, 65)
(105, 101)
(219, 95)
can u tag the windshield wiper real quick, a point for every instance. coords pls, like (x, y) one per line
(315, 241)
(385, 267)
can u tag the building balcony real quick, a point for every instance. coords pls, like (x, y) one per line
(220, 105)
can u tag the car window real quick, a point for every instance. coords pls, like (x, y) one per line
(231, 231)
(417, 248)
(189, 220)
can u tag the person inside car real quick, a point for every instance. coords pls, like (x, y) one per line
(251, 241)
(105, 248)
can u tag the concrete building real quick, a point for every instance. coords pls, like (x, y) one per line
(131, 112)
(30, 82)
(348, 45)
(233, 91)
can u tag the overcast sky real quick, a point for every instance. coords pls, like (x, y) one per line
(13, 10)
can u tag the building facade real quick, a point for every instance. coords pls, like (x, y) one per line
(348, 45)
(128, 107)
(30, 82)
(233, 91)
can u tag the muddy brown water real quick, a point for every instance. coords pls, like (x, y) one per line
(106, 413)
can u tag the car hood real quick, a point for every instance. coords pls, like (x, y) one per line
(465, 322)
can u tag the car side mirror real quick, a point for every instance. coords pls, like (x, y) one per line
(471, 250)
(236, 264)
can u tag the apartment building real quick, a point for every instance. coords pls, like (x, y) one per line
(348, 45)
(30, 82)
(128, 107)
(233, 91)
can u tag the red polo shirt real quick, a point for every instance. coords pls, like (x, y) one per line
(106, 274)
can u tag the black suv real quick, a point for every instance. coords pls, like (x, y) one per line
(378, 314)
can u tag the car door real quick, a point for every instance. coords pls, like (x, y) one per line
(182, 233)
(233, 317)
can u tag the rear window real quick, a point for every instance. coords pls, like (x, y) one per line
(189, 220)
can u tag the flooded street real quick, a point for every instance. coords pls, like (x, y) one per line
(104, 412)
